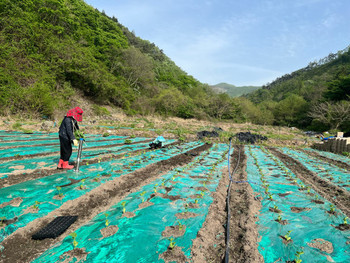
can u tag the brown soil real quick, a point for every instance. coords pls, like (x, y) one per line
(174, 255)
(331, 192)
(285, 241)
(78, 253)
(295, 209)
(321, 244)
(145, 204)
(186, 215)
(209, 246)
(19, 247)
(343, 227)
(109, 231)
(274, 210)
(174, 231)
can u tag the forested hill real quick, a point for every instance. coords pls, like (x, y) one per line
(233, 90)
(317, 96)
(50, 49)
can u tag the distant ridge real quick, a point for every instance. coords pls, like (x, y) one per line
(232, 90)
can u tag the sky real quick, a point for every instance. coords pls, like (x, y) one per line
(240, 42)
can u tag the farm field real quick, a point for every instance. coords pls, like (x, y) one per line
(134, 204)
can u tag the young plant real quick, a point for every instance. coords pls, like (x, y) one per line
(196, 201)
(59, 191)
(74, 235)
(82, 186)
(97, 178)
(142, 196)
(123, 205)
(287, 236)
(180, 225)
(155, 188)
(172, 243)
(331, 209)
(270, 197)
(297, 256)
(202, 194)
(36, 205)
(107, 221)
(279, 218)
(344, 220)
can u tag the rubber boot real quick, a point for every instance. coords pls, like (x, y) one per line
(60, 163)
(67, 166)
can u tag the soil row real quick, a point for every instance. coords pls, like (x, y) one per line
(40, 173)
(210, 246)
(19, 247)
(334, 194)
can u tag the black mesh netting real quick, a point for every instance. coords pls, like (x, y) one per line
(248, 137)
(55, 227)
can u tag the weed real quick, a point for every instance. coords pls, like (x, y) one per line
(74, 235)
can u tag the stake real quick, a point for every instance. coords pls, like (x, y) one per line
(81, 140)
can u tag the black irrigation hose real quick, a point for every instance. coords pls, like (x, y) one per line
(228, 202)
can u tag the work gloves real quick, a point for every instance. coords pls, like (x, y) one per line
(75, 142)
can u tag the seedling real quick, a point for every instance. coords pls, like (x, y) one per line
(202, 194)
(308, 191)
(196, 201)
(107, 222)
(87, 163)
(123, 205)
(155, 188)
(180, 225)
(172, 243)
(142, 196)
(163, 182)
(270, 197)
(36, 205)
(82, 186)
(74, 235)
(287, 236)
(97, 178)
(59, 191)
(279, 218)
(332, 209)
(344, 220)
(297, 256)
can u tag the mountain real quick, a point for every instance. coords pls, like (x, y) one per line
(232, 90)
(54, 50)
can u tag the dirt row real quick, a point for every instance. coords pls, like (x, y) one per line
(40, 173)
(19, 247)
(334, 194)
(210, 245)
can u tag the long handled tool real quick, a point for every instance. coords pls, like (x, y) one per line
(80, 149)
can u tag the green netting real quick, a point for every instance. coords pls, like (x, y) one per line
(139, 238)
(331, 155)
(266, 171)
(327, 171)
(30, 150)
(44, 189)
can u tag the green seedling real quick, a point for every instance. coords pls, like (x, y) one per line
(142, 196)
(36, 205)
(97, 178)
(155, 188)
(82, 186)
(196, 201)
(275, 207)
(59, 191)
(279, 218)
(297, 256)
(344, 220)
(202, 194)
(123, 205)
(163, 182)
(180, 225)
(287, 236)
(74, 235)
(308, 189)
(332, 209)
(270, 197)
(87, 163)
(107, 221)
(99, 160)
(172, 243)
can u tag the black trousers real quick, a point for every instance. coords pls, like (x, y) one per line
(66, 149)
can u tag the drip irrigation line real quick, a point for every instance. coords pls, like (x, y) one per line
(226, 259)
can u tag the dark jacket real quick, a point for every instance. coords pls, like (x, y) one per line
(66, 128)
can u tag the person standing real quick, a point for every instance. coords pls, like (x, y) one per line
(66, 135)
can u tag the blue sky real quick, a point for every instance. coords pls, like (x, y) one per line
(240, 42)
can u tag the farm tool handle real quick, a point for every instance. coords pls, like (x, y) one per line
(81, 140)
(228, 200)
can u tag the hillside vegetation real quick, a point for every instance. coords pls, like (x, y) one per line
(54, 50)
(232, 90)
